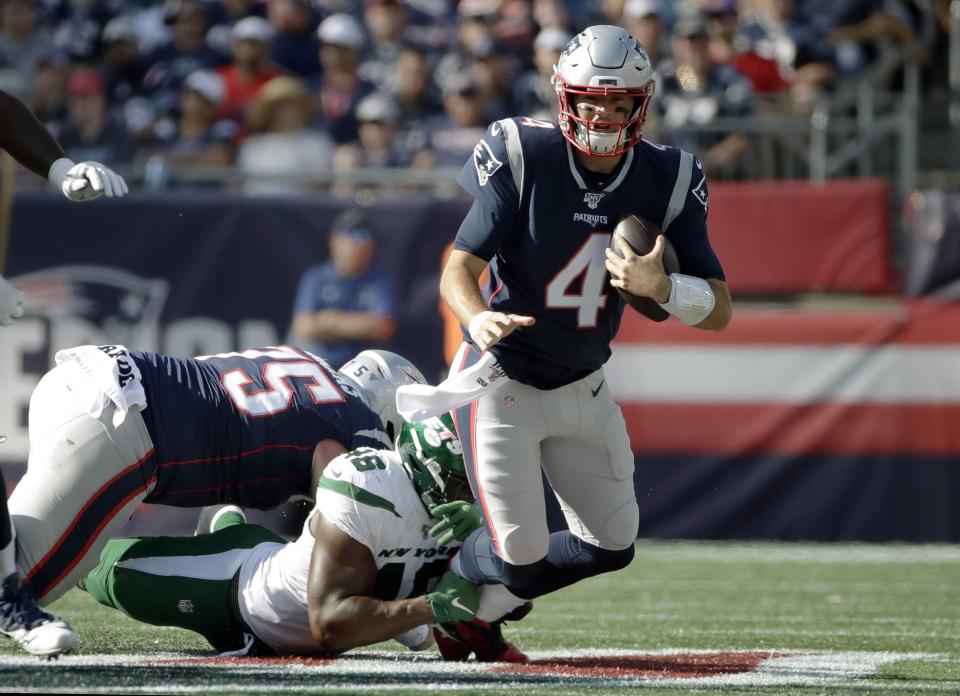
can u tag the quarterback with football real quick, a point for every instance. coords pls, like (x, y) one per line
(29, 143)
(546, 197)
(369, 565)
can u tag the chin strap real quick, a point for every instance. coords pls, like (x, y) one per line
(691, 299)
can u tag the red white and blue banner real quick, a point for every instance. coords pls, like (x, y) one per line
(801, 424)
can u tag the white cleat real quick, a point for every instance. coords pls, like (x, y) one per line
(52, 638)
(37, 632)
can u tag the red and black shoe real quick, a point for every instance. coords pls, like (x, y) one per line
(457, 640)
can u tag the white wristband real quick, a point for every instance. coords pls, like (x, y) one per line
(58, 170)
(477, 322)
(691, 299)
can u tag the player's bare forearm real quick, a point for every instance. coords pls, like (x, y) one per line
(458, 285)
(360, 620)
(342, 610)
(25, 138)
(722, 312)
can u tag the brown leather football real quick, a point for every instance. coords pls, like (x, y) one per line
(641, 235)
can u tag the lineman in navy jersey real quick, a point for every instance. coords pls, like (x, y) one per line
(111, 428)
(546, 198)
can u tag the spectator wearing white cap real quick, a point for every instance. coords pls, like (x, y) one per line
(226, 16)
(197, 138)
(644, 20)
(170, 63)
(252, 66)
(534, 95)
(377, 144)
(452, 136)
(121, 59)
(339, 88)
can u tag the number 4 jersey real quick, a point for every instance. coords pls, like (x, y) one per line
(544, 223)
(242, 427)
(367, 495)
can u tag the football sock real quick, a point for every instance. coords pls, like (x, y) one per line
(496, 601)
(568, 560)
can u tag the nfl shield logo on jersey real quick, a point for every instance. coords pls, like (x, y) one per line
(185, 606)
(485, 162)
(592, 199)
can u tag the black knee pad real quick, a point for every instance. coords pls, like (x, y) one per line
(608, 560)
(519, 576)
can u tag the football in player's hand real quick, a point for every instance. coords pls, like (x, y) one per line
(641, 235)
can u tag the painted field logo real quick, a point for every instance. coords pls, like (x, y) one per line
(675, 666)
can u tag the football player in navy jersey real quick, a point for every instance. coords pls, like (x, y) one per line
(111, 428)
(546, 199)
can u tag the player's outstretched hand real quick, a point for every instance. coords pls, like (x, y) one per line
(454, 599)
(457, 520)
(489, 327)
(11, 303)
(89, 180)
(639, 274)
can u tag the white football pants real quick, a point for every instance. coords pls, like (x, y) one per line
(83, 482)
(576, 434)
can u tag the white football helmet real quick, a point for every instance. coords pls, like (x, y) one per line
(377, 374)
(603, 60)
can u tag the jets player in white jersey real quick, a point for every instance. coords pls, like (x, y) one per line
(365, 568)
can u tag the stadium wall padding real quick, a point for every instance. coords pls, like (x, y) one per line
(789, 425)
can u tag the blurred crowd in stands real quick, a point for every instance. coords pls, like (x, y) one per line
(282, 89)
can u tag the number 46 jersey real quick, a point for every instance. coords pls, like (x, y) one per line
(368, 496)
(242, 427)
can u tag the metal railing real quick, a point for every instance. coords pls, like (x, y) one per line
(860, 129)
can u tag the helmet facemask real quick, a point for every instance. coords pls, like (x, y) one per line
(603, 61)
(602, 138)
(433, 459)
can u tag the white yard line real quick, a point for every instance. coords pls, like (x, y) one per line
(843, 672)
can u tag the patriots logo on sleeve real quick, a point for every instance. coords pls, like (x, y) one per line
(700, 192)
(485, 162)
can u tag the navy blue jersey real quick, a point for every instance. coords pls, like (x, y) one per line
(242, 427)
(544, 225)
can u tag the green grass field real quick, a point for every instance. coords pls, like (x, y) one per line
(684, 618)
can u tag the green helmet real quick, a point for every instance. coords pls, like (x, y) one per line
(433, 458)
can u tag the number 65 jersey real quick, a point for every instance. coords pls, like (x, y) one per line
(543, 222)
(242, 427)
(368, 496)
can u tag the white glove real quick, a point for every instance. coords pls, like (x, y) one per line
(11, 303)
(86, 181)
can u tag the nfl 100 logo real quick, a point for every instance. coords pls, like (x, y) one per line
(592, 199)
